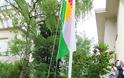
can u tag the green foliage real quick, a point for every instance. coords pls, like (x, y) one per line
(39, 70)
(84, 43)
(10, 70)
(83, 50)
(45, 50)
(50, 9)
(37, 28)
(88, 65)
(17, 46)
(83, 6)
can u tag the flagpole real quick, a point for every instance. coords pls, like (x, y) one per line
(71, 52)
(70, 65)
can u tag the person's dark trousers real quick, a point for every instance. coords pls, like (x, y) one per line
(120, 72)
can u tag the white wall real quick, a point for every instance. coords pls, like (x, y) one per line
(5, 37)
(120, 31)
(110, 32)
(9, 58)
(6, 34)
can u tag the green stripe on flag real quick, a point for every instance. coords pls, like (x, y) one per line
(63, 49)
(63, 9)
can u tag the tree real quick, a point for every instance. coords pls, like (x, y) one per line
(37, 27)
(83, 50)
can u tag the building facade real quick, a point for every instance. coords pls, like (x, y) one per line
(110, 26)
(5, 37)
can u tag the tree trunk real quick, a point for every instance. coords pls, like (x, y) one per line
(25, 69)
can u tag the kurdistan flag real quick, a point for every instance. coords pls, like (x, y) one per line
(67, 42)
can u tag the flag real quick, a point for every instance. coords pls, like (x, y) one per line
(67, 41)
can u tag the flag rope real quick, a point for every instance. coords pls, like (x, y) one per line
(55, 37)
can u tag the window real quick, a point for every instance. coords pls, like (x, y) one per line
(7, 23)
(3, 2)
(3, 46)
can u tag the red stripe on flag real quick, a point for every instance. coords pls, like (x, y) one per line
(70, 2)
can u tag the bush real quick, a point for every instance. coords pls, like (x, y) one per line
(94, 65)
(10, 70)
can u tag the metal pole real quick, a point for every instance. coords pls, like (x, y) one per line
(71, 52)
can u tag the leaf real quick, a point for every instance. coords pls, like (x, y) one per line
(25, 12)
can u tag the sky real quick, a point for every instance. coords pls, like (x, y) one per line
(88, 25)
